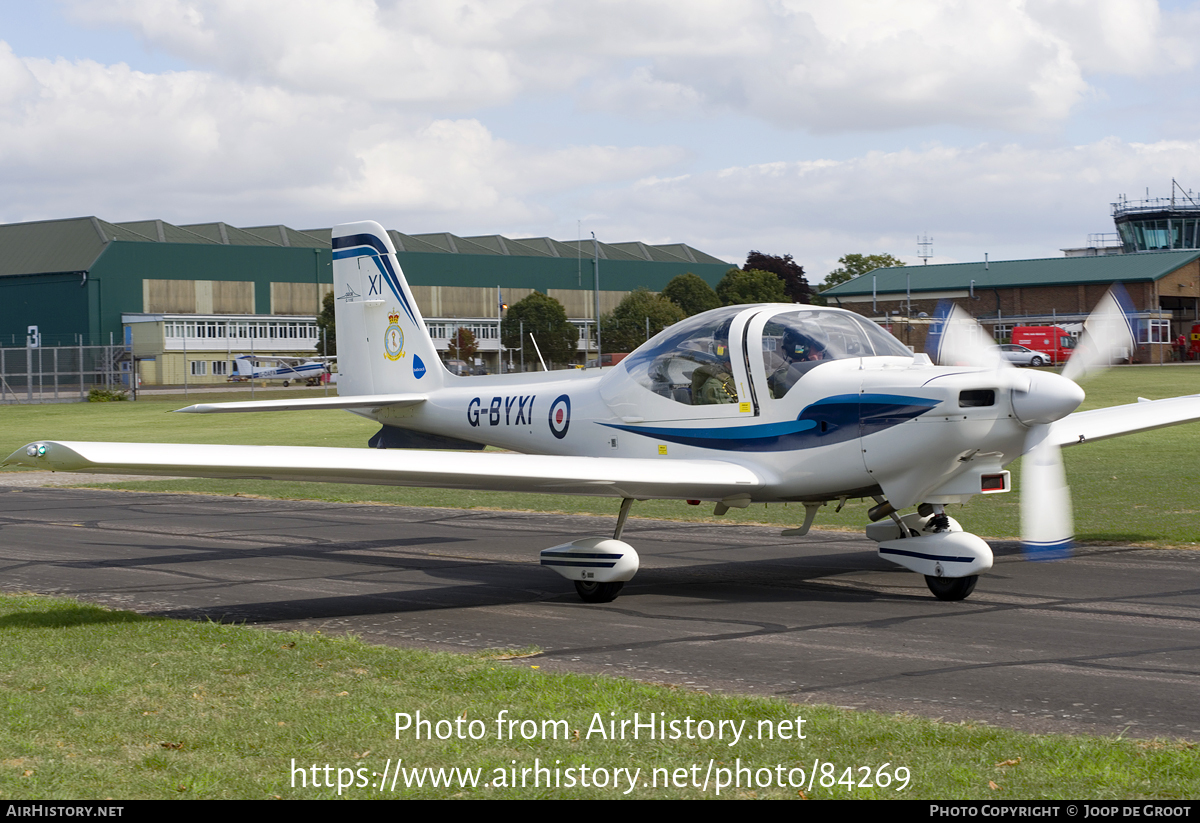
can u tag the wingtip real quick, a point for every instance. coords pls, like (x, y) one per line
(26, 456)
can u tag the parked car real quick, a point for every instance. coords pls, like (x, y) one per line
(1022, 356)
(1052, 342)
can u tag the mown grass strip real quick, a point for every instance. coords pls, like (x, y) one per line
(109, 704)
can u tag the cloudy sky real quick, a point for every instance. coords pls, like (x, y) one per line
(788, 126)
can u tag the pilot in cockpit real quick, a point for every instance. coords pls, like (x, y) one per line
(712, 380)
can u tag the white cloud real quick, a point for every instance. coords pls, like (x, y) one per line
(442, 55)
(1112, 36)
(17, 82)
(313, 112)
(1008, 200)
(833, 67)
(79, 137)
(809, 64)
(459, 168)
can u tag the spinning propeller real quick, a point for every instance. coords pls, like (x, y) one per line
(1038, 400)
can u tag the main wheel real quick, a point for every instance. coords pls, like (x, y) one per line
(598, 592)
(948, 588)
(285, 382)
(1037, 361)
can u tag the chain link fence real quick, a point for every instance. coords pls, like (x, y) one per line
(58, 374)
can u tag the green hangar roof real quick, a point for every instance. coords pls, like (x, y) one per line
(74, 244)
(1050, 271)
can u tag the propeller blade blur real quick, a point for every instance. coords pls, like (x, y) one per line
(1107, 337)
(965, 343)
(1047, 524)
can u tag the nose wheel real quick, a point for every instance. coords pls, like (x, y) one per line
(947, 588)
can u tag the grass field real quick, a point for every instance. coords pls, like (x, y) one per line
(1142, 489)
(103, 704)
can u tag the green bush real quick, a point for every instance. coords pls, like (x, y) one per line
(98, 395)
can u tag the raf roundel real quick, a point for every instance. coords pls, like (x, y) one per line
(560, 416)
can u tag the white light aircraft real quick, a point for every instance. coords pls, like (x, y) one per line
(287, 369)
(739, 405)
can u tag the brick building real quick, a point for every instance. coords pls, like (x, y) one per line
(1163, 288)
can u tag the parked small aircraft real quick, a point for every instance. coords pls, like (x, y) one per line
(739, 405)
(287, 369)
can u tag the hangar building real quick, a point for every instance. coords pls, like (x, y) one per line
(188, 298)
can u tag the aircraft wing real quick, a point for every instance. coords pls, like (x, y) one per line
(1146, 415)
(601, 476)
(370, 401)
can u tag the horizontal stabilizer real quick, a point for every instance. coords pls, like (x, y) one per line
(373, 401)
(602, 476)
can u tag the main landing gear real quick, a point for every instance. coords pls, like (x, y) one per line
(599, 566)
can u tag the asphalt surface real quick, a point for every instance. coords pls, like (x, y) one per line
(1107, 642)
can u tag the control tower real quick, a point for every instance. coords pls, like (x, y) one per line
(1159, 223)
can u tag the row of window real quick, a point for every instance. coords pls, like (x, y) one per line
(490, 331)
(199, 368)
(1174, 233)
(240, 330)
(445, 331)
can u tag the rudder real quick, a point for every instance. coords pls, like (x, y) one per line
(383, 345)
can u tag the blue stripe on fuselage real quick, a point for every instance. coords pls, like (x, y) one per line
(831, 420)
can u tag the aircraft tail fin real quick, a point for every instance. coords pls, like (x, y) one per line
(383, 345)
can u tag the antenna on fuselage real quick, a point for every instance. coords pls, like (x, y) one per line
(538, 350)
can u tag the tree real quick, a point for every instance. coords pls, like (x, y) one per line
(625, 328)
(738, 286)
(690, 293)
(462, 346)
(787, 270)
(855, 264)
(326, 327)
(544, 319)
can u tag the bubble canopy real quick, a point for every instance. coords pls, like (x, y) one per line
(694, 362)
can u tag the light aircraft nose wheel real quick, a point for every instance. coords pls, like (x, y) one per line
(947, 588)
(591, 592)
